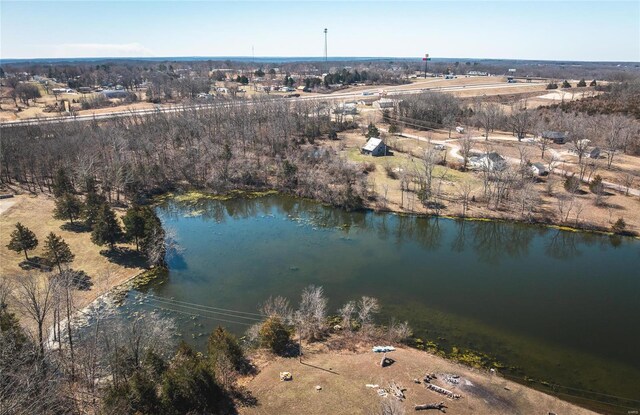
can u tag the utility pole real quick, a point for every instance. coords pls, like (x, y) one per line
(426, 60)
(325, 44)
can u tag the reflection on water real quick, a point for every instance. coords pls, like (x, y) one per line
(562, 306)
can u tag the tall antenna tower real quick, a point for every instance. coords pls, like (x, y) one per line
(325, 44)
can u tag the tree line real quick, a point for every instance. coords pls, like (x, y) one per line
(261, 144)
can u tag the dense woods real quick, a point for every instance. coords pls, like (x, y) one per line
(256, 144)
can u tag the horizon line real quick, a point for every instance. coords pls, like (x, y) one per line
(321, 58)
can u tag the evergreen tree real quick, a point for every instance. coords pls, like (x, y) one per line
(153, 242)
(61, 183)
(68, 206)
(92, 204)
(593, 83)
(189, 386)
(566, 84)
(582, 83)
(22, 240)
(106, 229)
(57, 251)
(223, 344)
(134, 224)
(372, 131)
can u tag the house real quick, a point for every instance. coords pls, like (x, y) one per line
(556, 136)
(115, 94)
(348, 108)
(539, 169)
(375, 147)
(383, 103)
(489, 161)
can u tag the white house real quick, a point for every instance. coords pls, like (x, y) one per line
(386, 103)
(489, 161)
(539, 169)
(375, 147)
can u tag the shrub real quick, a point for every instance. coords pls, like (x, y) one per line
(619, 226)
(582, 83)
(274, 335)
(552, 85)
(596, 186)
(572, 184)
(566, 84)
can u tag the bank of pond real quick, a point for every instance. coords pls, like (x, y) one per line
(546, 306)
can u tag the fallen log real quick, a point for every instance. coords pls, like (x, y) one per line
(439, 406)
(397, 390)
(443, 391)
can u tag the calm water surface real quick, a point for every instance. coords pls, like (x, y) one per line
(557, 306)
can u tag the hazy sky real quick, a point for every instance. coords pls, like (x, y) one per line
(582, 30)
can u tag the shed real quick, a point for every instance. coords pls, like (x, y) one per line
(539, 169)
(375, 147)
(558, 137)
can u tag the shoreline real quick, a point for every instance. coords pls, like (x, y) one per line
(126, 286)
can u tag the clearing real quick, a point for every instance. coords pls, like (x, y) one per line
(342, 375)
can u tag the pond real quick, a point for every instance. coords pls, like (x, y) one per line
(557, 306)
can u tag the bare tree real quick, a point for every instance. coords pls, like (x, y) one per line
(464, 191)
(36, 299)
(277, 307)
(487, 115)
(627, 180)
(520, 120)
(347, 313)
(312, 313)
(367, 308)
(466, 147)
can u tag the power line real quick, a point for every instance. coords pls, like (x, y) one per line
(205, 306)
(196, 308)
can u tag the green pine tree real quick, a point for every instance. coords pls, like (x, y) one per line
(134, 225)
(22, 240)
(68, 206)
(223, 344)
(372, 131)
(57, 251)
(92, 204)
(106, 229)
(62, 183)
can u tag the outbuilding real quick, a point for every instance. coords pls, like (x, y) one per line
(539, 169)
(557, 137)
(375, 146)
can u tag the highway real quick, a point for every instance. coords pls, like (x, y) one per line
(368, 94)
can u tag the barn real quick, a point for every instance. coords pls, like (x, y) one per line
(375, 146)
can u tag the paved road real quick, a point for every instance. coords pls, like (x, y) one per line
(362, 94)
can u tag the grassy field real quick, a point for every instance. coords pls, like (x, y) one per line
(407, 159)
(342, 375)
(36, 213)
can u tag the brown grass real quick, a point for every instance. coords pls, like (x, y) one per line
(343, 376)
(36, 212)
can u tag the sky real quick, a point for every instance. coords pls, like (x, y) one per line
(518, 29)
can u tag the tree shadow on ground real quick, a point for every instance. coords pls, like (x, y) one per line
(126, 257)
(243, 397)
(80, 280)
(36, 263)
(75, 227)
